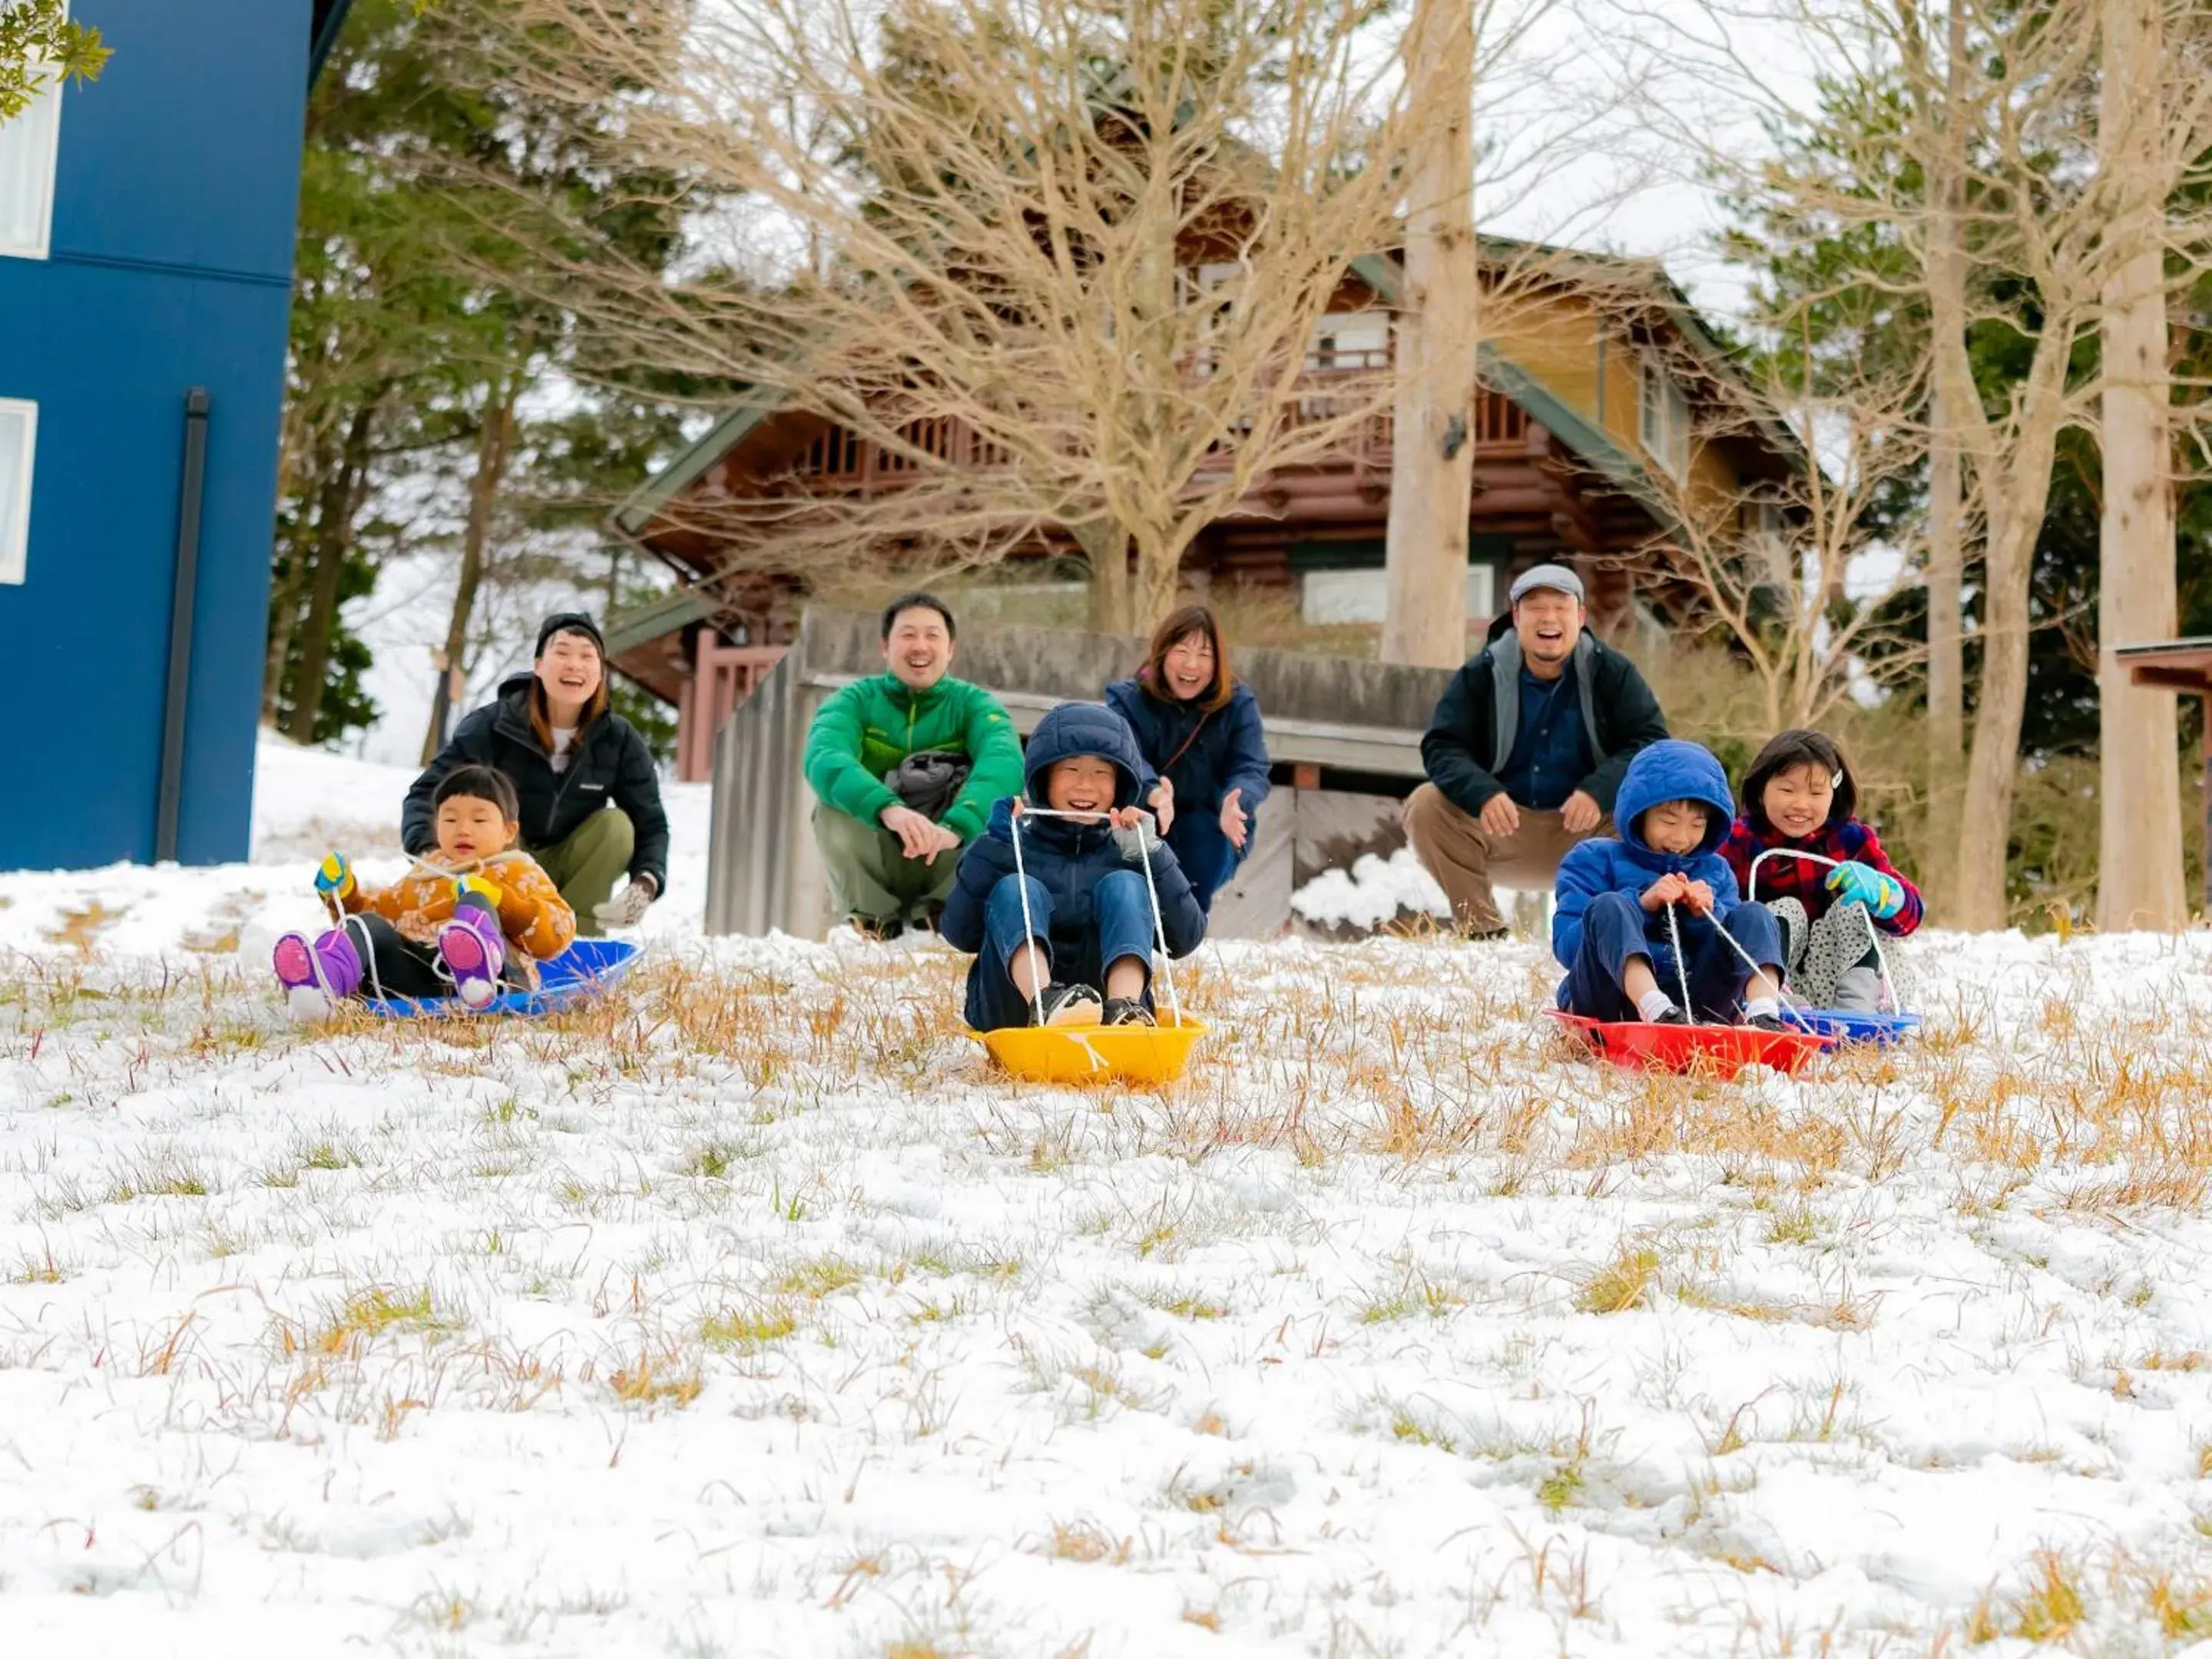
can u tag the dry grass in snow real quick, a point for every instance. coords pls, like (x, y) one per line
(748, 1314)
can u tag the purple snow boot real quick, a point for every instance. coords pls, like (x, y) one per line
(474, 953)
(316, 977)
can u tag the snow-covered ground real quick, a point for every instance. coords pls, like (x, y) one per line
(748, 1314)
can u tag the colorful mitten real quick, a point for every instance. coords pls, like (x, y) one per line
(481, 888)
(334, 878)
(1883, 895)
(474, 953)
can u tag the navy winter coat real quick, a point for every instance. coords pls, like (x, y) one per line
(608, 762)
(1670, 770)
(1067, 858)
(1204, 752)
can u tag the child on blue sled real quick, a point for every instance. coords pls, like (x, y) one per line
(1799, 798)
(1612, 931)
(1089, 926)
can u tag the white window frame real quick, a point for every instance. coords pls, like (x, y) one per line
(15, 516)
(39, 123)
(1663, 421)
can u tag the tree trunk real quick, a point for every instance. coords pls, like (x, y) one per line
(1106, 545)
(2139, 873)
(494, 449)
(283, 623)
(1432, 451)
(1159, 577)
(1985, 817)
(1946, 550)
(341, 501)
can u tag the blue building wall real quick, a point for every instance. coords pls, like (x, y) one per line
(175, 197)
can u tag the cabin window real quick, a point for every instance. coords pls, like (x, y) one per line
(1350, 340)
(1327, 597)
(19, 439)
(28, 148)
(1665, 423)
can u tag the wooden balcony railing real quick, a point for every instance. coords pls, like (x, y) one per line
(840, 459)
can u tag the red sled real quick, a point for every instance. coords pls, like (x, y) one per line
(1717, 1051)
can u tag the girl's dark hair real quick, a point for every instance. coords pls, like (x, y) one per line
(1191, 619)
(1784, 752)
(480, 783)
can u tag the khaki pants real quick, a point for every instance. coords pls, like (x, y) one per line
(587, 866)
(871, 876)
(1465, 858)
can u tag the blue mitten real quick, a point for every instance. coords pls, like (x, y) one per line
(1883, 895)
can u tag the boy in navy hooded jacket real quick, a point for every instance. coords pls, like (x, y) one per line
(1090, 921)
(1610, 931)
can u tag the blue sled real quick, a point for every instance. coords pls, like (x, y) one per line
(586, 967)
(1881, 1029)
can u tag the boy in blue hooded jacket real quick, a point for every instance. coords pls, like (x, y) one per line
(1090, 921)
(1611, 934)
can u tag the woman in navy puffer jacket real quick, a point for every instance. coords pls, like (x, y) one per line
(1198, 728)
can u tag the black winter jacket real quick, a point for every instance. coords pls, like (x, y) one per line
(1473, 730)
(608, 762)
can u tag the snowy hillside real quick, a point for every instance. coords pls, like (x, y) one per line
(749, 1314)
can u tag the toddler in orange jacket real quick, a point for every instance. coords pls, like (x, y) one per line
(470, 919)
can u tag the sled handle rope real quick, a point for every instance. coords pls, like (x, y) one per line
(1881, 957)
(1780, 990)
(1146, 842)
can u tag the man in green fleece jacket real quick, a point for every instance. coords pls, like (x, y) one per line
(890, 838)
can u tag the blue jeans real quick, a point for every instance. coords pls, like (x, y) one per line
(1614, 930)
(1120, 926)
(1204, 853)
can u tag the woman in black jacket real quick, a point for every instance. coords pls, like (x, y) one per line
(590, 793)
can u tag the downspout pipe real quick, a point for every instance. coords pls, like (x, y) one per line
(183, 600)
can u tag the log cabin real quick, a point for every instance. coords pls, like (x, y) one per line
(1596, 375)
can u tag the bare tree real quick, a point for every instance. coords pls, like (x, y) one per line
(1786, 569)
(1971, 173)
(1432, 448)
(2139, 877)
(1060, 265)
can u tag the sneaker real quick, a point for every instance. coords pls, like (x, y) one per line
(1127, 1011)
(878, 930)
(1065, 1004)
(1486, 935)
(1769, 1023)
(316, 977)
(1674, 1016)
(473, 952)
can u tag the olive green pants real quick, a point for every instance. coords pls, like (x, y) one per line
(587, 866)
(870, 878)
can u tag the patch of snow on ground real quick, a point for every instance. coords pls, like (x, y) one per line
(1371, 893)
(749, 1314)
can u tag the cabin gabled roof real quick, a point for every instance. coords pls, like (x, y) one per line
(1590, 443)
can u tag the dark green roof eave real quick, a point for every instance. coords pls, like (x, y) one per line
(637, 513)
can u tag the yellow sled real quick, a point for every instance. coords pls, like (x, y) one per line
(1096, 1053)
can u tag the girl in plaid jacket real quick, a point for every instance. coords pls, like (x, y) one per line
(1799, 797)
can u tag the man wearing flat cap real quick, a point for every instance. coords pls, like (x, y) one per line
(1526, 749)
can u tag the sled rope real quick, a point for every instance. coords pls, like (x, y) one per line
(1780, 990)
(1881, 957)
(1145, 842)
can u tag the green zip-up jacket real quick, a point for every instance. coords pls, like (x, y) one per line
(872, 724)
